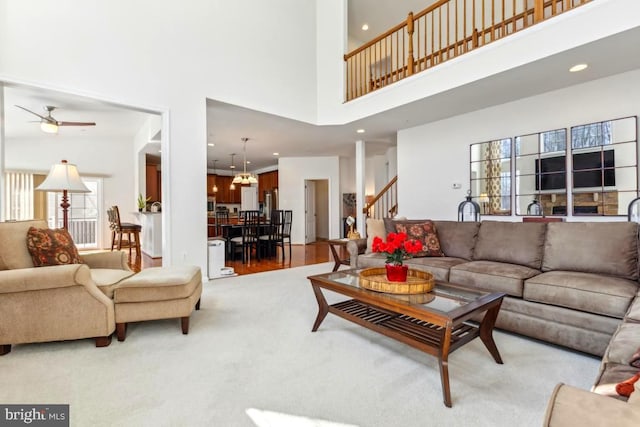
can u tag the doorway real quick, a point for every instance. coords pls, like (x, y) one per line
(316, 208)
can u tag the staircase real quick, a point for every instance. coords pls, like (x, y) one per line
(385, 203)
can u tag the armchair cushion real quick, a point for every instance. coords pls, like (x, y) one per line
(51, 247)
(13, 244)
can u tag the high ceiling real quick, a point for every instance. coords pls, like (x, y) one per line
(227, 124)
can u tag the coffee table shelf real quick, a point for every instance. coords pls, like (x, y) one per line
(418, 332)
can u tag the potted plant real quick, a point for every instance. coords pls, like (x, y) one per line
(142, 202)
(397, 248)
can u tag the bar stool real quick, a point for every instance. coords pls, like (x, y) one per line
(118, 229)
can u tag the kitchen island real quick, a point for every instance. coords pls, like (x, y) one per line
(151, 233)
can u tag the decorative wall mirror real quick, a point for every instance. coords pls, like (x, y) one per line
(604, 167)
(541, 173)
(491, 176)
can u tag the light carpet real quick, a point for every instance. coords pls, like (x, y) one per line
(250, 354)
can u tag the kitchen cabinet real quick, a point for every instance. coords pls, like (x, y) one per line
(154, 183)
(211, 181)
(266, 182)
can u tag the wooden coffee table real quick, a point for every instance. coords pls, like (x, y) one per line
(437, 322)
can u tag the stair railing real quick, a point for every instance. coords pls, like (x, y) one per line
(385, 203)
(442, 31)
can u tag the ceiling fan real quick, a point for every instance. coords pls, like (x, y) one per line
(49, 124)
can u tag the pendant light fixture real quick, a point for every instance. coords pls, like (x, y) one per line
(233, 166)
(245, 178)
(215, 187)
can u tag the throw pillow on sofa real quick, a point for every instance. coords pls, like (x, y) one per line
(375, 228)
(425, 233)
(51, 247)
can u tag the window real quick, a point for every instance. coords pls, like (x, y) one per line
(18, 191)
(84, 214)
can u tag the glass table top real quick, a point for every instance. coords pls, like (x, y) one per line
(443, 298)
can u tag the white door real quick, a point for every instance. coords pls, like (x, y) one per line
(310, 211)
(249, 198)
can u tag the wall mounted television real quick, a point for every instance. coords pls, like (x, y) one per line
(593, 169)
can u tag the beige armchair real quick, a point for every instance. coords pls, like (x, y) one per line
(54, 303)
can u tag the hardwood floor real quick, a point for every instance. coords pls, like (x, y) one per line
(314, 253)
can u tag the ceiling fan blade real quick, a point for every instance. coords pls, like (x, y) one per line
(76, 123)
(34, 113)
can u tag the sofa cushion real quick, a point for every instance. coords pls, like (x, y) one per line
(633, 314)
(610, 375)
(107, 279)
(13, 244)
(51, 247)
(593, 293)
(596, 247)
(438, 266)
(423, 232)
(492, 276)
(623, 344)
(511, 242)
(159, 284)
(375, 228)
(457, 239)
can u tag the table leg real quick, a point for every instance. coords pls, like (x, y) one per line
(486, 331)
(443, 361)
(323, 307)
(336, 257)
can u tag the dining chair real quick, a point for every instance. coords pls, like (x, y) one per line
(286, 231)
(222, 217)
(273, 235)
(120, 229)
(249, 238)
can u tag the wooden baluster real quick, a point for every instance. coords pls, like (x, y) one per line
(410, 59)
(538, 11)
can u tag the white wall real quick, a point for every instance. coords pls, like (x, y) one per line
(169, 57)
(434, 156)
(293, 171)
(106, 158)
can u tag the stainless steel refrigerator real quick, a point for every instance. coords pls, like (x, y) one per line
(270, 201)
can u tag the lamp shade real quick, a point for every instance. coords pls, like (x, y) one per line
(63, 176)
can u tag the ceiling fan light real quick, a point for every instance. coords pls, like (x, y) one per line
(48, 127)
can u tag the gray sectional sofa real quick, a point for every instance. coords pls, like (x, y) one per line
(574, 284)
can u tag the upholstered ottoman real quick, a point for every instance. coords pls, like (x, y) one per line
(157, 293)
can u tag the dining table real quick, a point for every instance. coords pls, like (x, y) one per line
(229, 231)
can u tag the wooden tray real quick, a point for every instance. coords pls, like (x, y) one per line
(375, 279)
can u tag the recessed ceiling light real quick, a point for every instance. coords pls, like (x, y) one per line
(360, 131)
(276, 154)
(211, 144)
(248, 162)
(365, 27)
(578, 67)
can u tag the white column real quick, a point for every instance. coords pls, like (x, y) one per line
(360, 182)
(2, 143)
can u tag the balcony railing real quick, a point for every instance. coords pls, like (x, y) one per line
(444, 30)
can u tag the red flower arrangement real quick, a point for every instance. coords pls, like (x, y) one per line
(397, 247)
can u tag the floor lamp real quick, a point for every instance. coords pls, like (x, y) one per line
(64, 177)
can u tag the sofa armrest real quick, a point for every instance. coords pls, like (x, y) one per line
(39, 278)
(356, 247)
(116, 260)
(570, 406)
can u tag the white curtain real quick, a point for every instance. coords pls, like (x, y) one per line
(18, 190)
